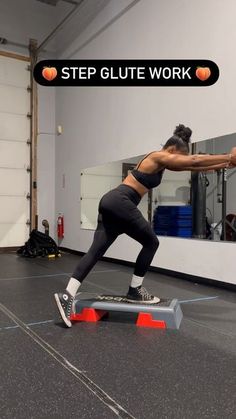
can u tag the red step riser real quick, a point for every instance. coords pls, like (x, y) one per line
(146, 320)
(88, 315)
(91, 315)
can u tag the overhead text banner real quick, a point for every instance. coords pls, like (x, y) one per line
(136, 73)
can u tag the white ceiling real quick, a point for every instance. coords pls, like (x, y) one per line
(50, 2)
(54, 2)
(71, 29)
(22, 20)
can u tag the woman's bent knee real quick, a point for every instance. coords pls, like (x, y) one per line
(151, 241)
(154, 242)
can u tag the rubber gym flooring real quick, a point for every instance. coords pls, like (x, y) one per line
(112, 368)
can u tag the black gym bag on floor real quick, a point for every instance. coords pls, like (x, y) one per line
(39, 244)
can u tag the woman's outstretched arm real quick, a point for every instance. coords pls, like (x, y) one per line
(207, 168)
(182, 162)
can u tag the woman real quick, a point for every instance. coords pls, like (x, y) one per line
(118, 213)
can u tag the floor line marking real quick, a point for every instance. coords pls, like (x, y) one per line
(94, 388)
(9, 327)
(197, 299)
(42, 322)
(28, 324)
(57, 274)
(213, 329)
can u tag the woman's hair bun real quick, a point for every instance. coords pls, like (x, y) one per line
(183, 132)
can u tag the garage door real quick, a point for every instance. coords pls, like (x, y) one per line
(14, 151)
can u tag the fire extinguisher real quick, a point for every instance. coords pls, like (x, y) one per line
(60, 226)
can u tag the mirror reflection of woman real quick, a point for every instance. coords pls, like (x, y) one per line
(118, 214)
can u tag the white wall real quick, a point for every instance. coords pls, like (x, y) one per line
(46, 158)
(107, 124)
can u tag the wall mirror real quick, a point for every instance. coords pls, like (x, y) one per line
(186, 204)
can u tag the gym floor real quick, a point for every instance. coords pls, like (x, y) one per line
(112, 368)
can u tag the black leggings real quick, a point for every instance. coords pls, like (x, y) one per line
(118, 214)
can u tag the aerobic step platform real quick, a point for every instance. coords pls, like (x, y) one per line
(165, 315)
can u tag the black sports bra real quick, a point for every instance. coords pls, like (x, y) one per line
(149, 180)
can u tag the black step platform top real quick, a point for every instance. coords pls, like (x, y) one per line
(116, 299)
(121, 299)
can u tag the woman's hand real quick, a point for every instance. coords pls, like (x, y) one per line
(233, 156)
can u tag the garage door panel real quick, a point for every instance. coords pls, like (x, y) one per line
(14, 151)
(14, 127)
(13, 234)
(13, 72)
(18, 211)
(14, 155)
(14, 100)
(14, 182)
